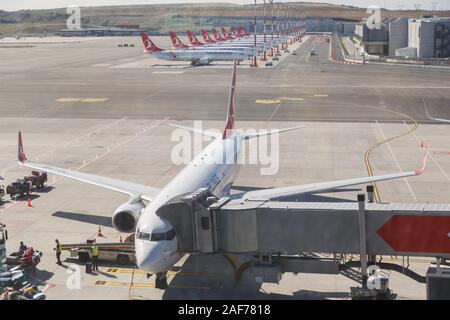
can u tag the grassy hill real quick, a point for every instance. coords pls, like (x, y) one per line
(175, 17)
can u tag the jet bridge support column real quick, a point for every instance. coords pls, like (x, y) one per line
(362, 236)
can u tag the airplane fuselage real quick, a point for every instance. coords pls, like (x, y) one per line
(214, 168)
(200, 56)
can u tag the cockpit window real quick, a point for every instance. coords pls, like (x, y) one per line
(169, 235)
(143, 236)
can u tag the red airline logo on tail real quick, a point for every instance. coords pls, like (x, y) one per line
(234, 31)
(176, 41)
(193, 39)
(217, 35)
(226, 36)
(149, 46)
(206, 36)
(242, 32)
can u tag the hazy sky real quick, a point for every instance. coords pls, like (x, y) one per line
(49, 4)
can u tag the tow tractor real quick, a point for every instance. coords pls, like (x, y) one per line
(122, 253)
(37, 179)
(2, 192)
(20, 187)
(3, 238)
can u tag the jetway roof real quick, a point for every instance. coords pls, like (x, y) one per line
(338, 206)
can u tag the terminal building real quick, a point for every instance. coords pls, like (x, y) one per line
(426, 37)
(104, 32)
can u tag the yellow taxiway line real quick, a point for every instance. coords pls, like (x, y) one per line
(170, 273)
(104, 283)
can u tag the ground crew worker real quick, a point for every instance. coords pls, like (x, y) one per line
(94, 254)
(58, 252)
(22, 248)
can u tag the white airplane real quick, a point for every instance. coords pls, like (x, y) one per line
(178, 44)
(156, 240)
(201, 56)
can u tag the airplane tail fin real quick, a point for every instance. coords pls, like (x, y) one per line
(226, 36)
(234, 31)
(21, 157)
(206, 36)
(149, 46)
(242, 32)
(193, 39)
(229, 125)
(176, 42)
(216, 34)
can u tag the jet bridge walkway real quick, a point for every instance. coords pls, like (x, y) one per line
(277, 236)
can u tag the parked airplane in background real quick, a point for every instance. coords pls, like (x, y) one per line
(157, 247)
(178, 44)
(210, 42)
(201, 56)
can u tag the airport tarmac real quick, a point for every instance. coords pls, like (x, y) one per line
(105, 110)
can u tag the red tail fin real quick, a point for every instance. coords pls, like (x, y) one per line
(226, 36)
(216, 35)
(229, 126)
(21, 157)
(176, 41)
(206, 36)
(149, 46)
(193, 39)
(242, 32)
(234, 31)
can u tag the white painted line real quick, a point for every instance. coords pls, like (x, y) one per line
(430, 154)
(431, 118)
(396, 161)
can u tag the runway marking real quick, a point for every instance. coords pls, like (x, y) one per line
(169, 273)
(85, 100)
(104, 283)
(431, 155)
(167, 72)
(319, 95)
(268, 101)
(395, 159)
(102, 65)
(221, 84)
(291, 99)
(431, 118)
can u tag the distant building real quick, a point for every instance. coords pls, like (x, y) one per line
(374, 41)
(103, 32)
(430, 36)
(398, 35)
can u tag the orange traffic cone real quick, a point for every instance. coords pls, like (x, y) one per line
(29, 201)
(99, 233)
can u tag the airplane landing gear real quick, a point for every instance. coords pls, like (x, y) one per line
(161, 281)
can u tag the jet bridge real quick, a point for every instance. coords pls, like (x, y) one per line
(275, 236)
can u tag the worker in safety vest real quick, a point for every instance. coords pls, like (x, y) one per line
(94, 254)
(58, 252)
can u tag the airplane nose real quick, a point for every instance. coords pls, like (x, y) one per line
(149, 256)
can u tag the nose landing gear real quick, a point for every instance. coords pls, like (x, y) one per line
(161, 281)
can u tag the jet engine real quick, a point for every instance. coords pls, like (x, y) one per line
(203, 61)
(126, 216)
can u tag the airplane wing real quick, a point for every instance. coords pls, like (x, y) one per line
(208, 133)
(274, 193)
(129, 188)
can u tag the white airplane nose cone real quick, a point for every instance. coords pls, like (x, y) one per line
(448, 234)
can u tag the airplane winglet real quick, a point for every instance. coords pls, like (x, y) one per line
(21, 157)
(420, 170)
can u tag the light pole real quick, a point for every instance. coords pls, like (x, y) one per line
(254, 63)
(271, 46)
(264, 58)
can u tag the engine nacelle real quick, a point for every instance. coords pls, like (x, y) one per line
(126, 217)
(203, 61)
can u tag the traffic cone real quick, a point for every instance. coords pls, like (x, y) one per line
(99, 233)
(120, 239)
(29, 201)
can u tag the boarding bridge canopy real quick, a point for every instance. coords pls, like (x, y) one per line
(236, 226)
